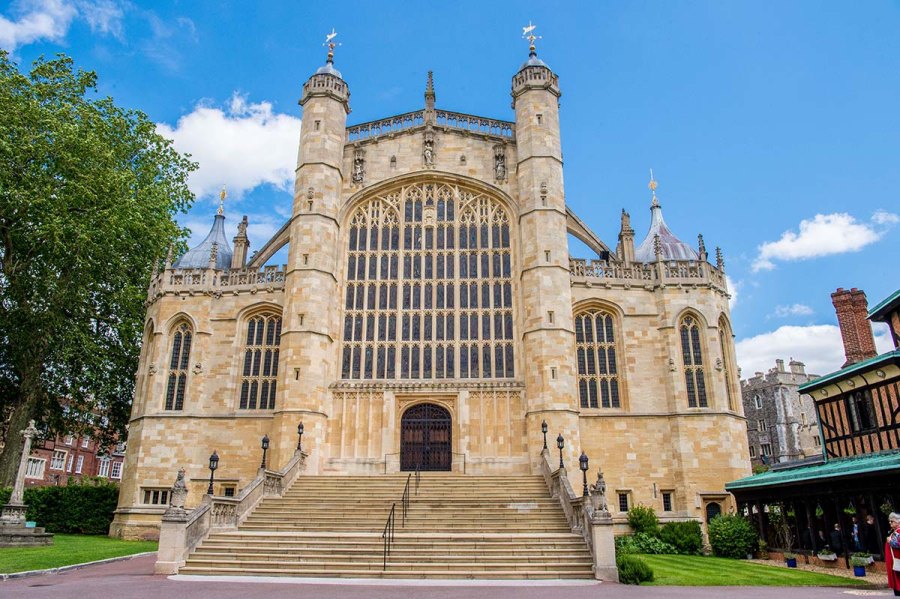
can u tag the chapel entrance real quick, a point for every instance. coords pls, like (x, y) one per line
(425, 437)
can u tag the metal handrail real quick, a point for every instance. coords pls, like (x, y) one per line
(388, 536)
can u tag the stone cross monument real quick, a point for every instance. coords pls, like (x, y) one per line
(13, 532)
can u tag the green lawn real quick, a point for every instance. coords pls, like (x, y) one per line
(695, 570)
(67, 550)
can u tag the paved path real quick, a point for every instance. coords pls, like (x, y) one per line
(134, 578)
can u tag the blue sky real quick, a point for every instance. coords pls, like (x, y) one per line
(772, 127)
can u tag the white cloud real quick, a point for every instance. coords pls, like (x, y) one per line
(793, 310)
(883, 217)
(733, 287)
(37, 20)
(823, 235)
(818, 346)
(50, 20)
(242, 146)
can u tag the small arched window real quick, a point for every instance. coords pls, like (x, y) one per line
(598, 370)
(692, 357)
(178, 366)
(260, 368)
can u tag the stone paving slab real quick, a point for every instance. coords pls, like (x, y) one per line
(135, 579)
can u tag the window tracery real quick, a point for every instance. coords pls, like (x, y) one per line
(428, 287)
(692, 358)
(178, 367)
(728, 360)
(260, 369)
(598, 372)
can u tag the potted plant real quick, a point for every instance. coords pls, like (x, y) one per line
(819, 511)
(850, 510)
(827, 555)
(859, 561)
(790, 559)
(763, 553)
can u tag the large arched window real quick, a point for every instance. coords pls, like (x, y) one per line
(429, 287)
(598, 370)
(178, 366)
(692, 356)
(260, 368)
(727, 360)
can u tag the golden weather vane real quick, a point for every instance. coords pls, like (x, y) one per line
(652, 187)
(528, 34)
(222, 195)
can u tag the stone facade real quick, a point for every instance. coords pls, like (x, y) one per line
(781, 422)
(428, 262)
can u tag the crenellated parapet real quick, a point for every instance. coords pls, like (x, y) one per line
(444, 119)
(685, 273)
(211, 281)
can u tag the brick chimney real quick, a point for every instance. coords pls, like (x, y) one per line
(851, 308)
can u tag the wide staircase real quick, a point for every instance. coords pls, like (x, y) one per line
(457, 526)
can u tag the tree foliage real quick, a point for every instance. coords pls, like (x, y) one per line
(731, 535)
(88, 191)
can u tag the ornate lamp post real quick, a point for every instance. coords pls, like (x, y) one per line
(560, 442)
(213, 464)
(299, 435)
(583, 463)
(544, 430)
(265, 448)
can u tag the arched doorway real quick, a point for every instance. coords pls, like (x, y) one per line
(425, 437)
(713, 509)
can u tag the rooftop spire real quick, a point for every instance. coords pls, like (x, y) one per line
(528, 34)
(331, 44)
(429, 91)
(222, 195)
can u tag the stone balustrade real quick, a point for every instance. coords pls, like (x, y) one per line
(443, 118)
(211, 281)
(652, 274)
(182, 531)
(595, 526)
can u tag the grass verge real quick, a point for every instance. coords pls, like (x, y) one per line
(67, 550)
(696, 570)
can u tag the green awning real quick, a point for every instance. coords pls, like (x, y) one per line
(837, 468)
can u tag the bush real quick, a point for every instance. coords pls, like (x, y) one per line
(731, 536)
(633, 570)
(643, 519)
(80, 508)
(642, 543)
(685, 537)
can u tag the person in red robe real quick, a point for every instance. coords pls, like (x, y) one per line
(892, 554)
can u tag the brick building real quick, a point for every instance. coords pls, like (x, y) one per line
(781, 422)
(55, 461)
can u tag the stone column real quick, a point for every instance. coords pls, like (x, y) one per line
(14, 512)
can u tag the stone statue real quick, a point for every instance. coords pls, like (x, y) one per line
(359, 167)
(598, 493)
(499, 163)
(179, 491)
(428, 153)
(626, 220)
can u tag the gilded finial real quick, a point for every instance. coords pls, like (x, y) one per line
(652, 187)
(528, 34)
(331, 44)
(222, 195)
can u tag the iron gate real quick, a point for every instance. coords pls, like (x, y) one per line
(425, 437)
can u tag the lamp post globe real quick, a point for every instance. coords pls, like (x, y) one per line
(299, 435)
(265, 448)
(560, 442)
(544, 430)
(213, 464)
(583, 464)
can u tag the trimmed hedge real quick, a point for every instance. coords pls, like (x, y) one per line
(731, 536)
(78, 508)
(642, 542)
(633, 570)
(686, 537)
(643, 519)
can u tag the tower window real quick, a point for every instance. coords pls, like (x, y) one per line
(178, 367)
(540, 119)
(667, 501)
(692, 356)
(260, 369)
(598, 371)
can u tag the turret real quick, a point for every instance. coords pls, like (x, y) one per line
(241, 246)
(625, 248)
(310, 325)
(548, 335)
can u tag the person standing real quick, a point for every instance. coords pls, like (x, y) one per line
(871, 541)
(892, 554)
(837, 540)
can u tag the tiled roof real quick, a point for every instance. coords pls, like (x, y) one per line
(885, 306)
(837, 468)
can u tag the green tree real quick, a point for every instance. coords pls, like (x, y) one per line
(88, 192)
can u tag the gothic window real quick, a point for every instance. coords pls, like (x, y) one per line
(178, 366)
(260, 366)
(727, 360)
(428, 287)
(598, 371)
(692, 357)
